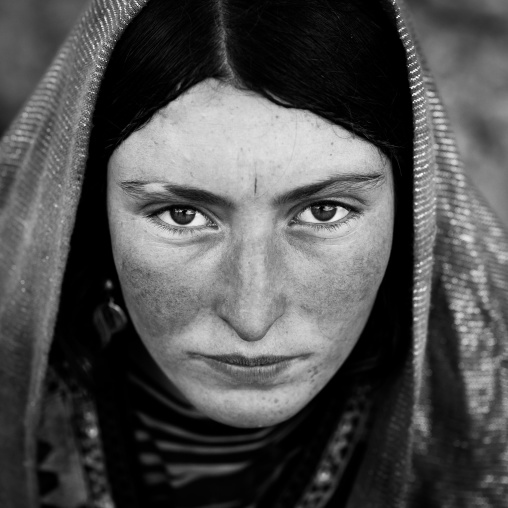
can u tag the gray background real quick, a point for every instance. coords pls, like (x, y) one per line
(465, 42)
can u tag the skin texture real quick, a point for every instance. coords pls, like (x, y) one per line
(255, 276)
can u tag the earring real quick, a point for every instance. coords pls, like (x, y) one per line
(108, 317)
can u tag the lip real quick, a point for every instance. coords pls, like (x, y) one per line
(257, 370)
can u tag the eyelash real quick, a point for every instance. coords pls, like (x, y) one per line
(352, 215)
(332, 226)
(153, 217)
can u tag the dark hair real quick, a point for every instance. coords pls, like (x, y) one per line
(340, 59)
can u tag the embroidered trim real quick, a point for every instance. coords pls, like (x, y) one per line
(338, 451)
(89, 439)
(324, 482)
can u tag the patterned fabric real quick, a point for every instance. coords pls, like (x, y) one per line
(195, 462)
(205, 463)
(440, 434)
(71, 471)
(60, 473)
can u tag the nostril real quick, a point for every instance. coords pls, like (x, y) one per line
(252, 324)
(247, 330)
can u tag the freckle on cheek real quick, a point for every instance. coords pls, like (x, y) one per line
(342, 291)
(340, 297)
(157, 300)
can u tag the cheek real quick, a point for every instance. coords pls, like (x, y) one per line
(339, 290)
(159, 297)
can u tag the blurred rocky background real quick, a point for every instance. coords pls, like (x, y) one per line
(465, 42)
(466, 45)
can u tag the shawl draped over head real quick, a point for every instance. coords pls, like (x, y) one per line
(441, 439)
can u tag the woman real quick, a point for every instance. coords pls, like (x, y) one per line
(272, 285)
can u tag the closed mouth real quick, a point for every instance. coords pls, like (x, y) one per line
(240, 370)
(245, 361)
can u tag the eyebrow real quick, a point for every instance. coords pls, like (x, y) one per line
(137, 190)
(346, 182)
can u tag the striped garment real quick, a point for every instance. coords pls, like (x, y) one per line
(159, 452)
(190, 461)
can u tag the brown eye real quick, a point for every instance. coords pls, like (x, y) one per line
(182, 216)
(322, 212)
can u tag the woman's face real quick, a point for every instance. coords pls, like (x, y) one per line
(250, 241)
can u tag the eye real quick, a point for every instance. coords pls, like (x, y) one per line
(183, 216)
(322, 213)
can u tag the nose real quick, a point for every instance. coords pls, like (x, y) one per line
(253, 298)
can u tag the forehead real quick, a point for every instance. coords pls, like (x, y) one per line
(219, 136)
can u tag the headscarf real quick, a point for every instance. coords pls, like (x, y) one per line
(440, 438)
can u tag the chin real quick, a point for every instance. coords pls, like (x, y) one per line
(248, 419)
(249, 410)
